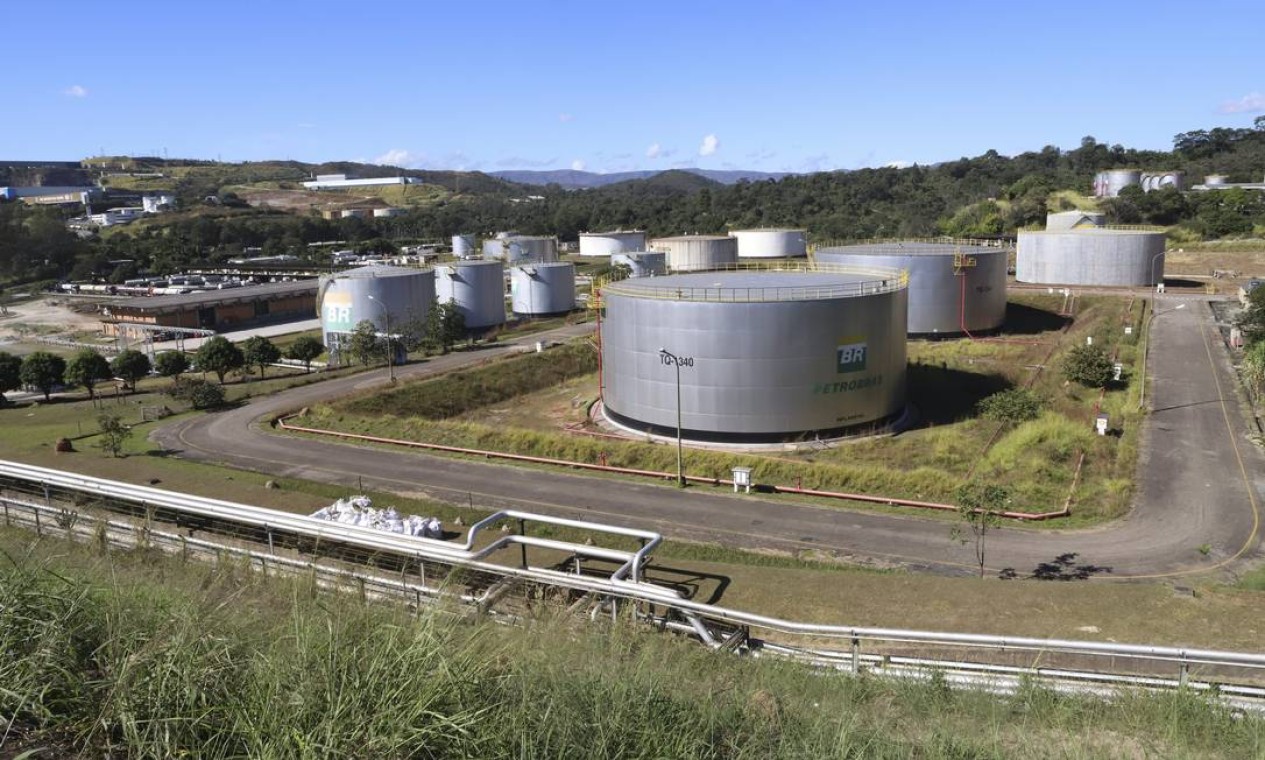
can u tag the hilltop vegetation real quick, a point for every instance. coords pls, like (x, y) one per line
(989, 194)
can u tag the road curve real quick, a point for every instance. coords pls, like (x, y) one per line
(1196, 509)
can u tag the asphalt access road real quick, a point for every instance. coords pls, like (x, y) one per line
(1196, 509)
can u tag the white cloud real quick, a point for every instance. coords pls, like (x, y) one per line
(397, 157)
(75, 91)
(898, 164)
(709, 146)
(577, 165)
(565, 117)
(1253, 102)
(654, 151)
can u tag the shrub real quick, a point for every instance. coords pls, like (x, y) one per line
(198, 392)
(1088, 365)
(1013, 405)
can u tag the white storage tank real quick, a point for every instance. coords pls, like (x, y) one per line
(538, 289)
(689, 253)
(765, 356)
(386, 213)
(642, 263)
(386, 296)
(1152, 181)
(1091, 256)
(954, 287)
(463, 246)
(1108, 184)
(477, 288)
(521, 248)
(610, 243)
(771, 243)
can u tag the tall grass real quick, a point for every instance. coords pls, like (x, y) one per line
(462, 391)
(135, 655)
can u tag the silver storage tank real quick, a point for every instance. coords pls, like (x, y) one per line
(690, 253)
(1152, 181)
(609, 243)
(1091, 256)
(380, 294)
(1108, 184)
(1215, 180)
(1068, 220)
(771, 243)
(642, 263)
(543, 288)
(477, 288)
(463, 246)
(953, 288)
(521, 248)
(766, 355)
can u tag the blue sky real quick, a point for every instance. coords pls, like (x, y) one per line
(612, 86)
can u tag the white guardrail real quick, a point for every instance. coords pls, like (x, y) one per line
(66, 504)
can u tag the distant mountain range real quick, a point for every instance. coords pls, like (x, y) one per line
(571, 179)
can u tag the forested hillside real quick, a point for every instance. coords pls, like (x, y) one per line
(984, 195)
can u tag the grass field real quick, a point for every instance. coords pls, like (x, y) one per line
(129, 654)
(1038, 459)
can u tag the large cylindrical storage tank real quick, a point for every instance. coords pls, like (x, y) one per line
(538, 289)
(463, 246)
(380, 294)
(765, 356)
(689, 253)
(610, 243)
(1126, 258)
(1067, 220)
(1152, 181)
(1215, 180)
(1108, 184)
(521, 248)
(953, 288)
(771, 244)
(642, 263)
(477, 288)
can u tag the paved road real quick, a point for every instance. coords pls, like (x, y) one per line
(1196, 509)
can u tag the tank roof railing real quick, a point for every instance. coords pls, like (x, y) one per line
(896, 242)
(883, 281)
(1110, 228)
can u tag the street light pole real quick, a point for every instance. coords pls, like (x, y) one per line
(1155, 283)
(386, 320)
(670, 358)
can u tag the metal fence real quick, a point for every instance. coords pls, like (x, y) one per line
(501, 570)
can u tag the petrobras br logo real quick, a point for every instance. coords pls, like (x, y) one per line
(337, 311)
(850, 355)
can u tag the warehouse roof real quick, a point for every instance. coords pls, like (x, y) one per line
(206, 298)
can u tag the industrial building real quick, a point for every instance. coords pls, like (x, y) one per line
(954, 288)
(692, 253)
(1221, 182)
(384, 295)
(218, 309)
(342, 182)
(610, 243)
(761, 356)
(1091, 256)
(13, 193)
(542, 289)
(771, 243)
(642, 263)
(476, 288)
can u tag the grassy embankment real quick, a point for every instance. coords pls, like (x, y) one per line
(136, 655)
(521, 404)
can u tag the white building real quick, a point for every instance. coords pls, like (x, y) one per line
(342, 181)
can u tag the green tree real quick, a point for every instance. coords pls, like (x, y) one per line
(364, 343)
(1011, 405)
(88, 367)
(220, 356)
(130, 367)
(1252, 319)
(979, 511)
(10, 374)
(113, 433)
(1254, 367)
(260, 352)
(43, 370)
(1088, 365)
(171, 363)
(305, 349)
(446, 325)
